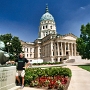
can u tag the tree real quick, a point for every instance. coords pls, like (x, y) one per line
(16, 45)
(83, 43)
(12, 44)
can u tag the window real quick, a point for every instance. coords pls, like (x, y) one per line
(30, 49)
(46, 26)
(46, 33)
(40, 50)
(49, 32)
(43, 27)
(60, 53)
(53, 53)
(50, 27)
(27, 49)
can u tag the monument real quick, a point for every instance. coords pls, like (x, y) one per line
(7, 73)
(4, 56)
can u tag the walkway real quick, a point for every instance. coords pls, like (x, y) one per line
(80, 79)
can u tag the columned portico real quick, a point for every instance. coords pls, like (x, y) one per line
(64, 49)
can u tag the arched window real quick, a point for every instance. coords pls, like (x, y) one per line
(43, 27)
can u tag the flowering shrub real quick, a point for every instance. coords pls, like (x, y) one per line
(56, 82)
(53, 77)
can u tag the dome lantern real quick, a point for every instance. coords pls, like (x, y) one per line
(46, 8)
(47, 15)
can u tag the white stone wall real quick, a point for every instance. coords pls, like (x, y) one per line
(7, 77)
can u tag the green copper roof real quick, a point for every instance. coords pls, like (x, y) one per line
(47, 15)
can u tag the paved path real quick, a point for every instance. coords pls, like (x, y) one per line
(80, 78)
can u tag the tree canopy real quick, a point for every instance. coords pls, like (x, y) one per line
(12, 44)
(83, 43)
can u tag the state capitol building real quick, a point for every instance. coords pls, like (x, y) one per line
(50, 46)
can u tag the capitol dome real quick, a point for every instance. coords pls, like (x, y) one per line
(47, 15)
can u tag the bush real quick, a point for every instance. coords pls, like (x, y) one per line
(34, 73)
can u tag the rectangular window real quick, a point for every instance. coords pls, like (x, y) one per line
(27, 49)
(30, 49)
(30, 55)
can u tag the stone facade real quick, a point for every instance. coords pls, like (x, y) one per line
(50, 46)
(28, 49)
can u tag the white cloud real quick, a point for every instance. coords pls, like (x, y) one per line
(82, 7)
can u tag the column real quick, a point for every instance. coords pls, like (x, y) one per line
(72, 48)
(68, 49)
(65, 48)
(43, 51)
(52, 48)
(58, 49)
(58, 59)
(46, 50)
(38, 52)
(75, 49)
(61, 49)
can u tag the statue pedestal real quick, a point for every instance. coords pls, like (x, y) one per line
(7, 77)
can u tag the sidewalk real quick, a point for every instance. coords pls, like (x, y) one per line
(80, 79)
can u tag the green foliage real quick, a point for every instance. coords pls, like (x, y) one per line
(33, 73)
(12, 44)
(83, 43)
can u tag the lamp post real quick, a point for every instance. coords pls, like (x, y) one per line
(8, 44)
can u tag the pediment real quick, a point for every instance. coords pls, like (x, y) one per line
(69, 38)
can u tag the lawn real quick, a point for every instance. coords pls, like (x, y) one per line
(86, 67)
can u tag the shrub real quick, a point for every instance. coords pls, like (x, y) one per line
(33, 73)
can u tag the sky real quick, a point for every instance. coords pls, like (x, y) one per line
(21, 18)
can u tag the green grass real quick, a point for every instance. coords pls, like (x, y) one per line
(86, 67)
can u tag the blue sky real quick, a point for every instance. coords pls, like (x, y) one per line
(21, 18)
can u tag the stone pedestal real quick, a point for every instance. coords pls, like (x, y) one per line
(7, 77)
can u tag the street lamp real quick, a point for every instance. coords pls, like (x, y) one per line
(8, 44)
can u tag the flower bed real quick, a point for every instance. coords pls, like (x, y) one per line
(57, 82)
(50, 78)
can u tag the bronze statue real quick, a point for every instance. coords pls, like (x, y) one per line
(4, 56)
